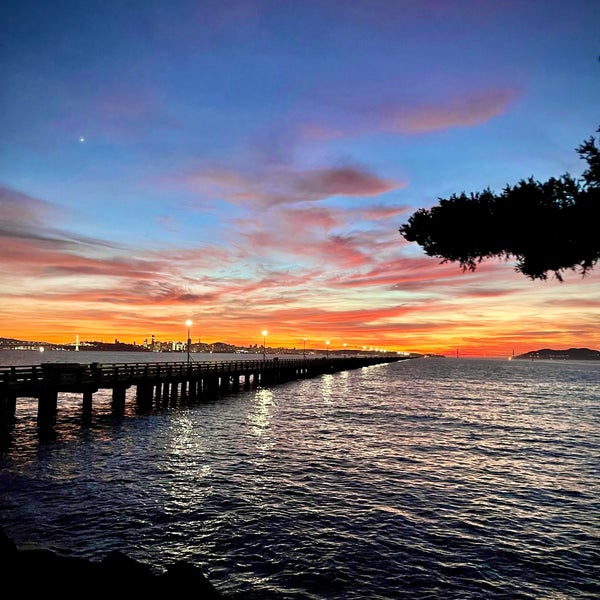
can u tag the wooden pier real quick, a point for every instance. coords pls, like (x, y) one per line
(158, 385)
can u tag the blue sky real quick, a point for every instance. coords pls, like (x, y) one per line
(247, 164)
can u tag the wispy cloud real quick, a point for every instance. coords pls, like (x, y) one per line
(463, 112)
(46, 255)
(27, 218)
(371, 116)
(287, 185)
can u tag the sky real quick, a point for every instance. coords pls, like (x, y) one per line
(246, 165)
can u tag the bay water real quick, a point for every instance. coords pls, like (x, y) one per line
(421, 479)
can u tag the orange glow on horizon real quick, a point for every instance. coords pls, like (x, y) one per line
(448, 342)
(431, 309)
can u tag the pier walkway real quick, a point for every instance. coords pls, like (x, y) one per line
(158, 385)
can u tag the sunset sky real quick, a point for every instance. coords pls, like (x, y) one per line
(246, 164)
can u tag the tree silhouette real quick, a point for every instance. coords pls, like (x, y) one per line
(548, 227)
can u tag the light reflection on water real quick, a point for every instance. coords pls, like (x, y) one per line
(259, 420)
(420, 479)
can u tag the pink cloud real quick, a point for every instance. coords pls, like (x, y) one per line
(371, 116)
(305, 233)
(340, 181)
(464, 112)
(315, 218)
(44, 257)
(421, 273)
(31, 251)
(379, 212)
(287, 185)
(341, 251)
(154, 293)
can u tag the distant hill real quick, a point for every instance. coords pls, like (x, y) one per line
(570, 354)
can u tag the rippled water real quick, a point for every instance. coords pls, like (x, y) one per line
(426, 478)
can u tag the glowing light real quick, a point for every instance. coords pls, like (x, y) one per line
(264, 334)
(189, 339)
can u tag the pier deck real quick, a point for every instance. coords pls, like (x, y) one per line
(158, 384)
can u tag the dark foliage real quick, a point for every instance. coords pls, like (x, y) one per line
(547, 227)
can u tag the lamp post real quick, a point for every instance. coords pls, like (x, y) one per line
(327, 349)
(189, 340)
(264, 334)
(304, 349)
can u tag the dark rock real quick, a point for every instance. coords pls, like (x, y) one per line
(7, 546)
(117, 564)
(183, 576)
(45, 572)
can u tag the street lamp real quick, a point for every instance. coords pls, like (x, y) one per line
(264, 334)
(304, 349)
(327, 351)
(189, 340)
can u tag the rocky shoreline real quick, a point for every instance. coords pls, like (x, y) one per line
(42, 571)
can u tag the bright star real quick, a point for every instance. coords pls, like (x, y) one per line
(82, 139)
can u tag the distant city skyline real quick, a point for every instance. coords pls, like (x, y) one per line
(246, 165)
(181, 346)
